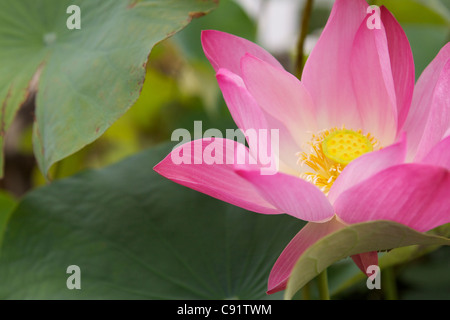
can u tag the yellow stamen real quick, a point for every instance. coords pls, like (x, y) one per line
(331, 151)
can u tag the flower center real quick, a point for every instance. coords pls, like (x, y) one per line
(344, 146)
(331, 151)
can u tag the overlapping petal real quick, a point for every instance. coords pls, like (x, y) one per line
(327, 74)
(256, 123)
(439, 155)
(401, 62)
(282, 96)
(218, 179)
(412, 194)
(291, 195)
(439, 115)
(367, 165)
(429, 115)
(373, 83)
(243, 108)
(225, 50)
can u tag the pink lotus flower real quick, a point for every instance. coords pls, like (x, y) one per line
(358, 142)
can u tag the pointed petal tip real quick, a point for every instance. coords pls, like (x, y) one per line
(205, 35)
(157, 167)
(165, 163)
(224, 75)
(224, 50)
(275, 289)
(365, 260)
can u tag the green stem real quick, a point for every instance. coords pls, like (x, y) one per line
(306, 291)
(389, 284)
(56, 172)
(322, 283)
(301, 40)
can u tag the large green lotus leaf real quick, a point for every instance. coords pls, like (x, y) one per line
(137, 235)
(84, 79)
(354, 239)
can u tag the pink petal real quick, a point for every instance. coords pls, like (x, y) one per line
(402, 64)
(307, 236)
(282, 96)
(439, 117)
(197, 170)
(290, 194)
(439, 155)
(415, 195)
(243, 108)
(327, 74)
(364, 260)
(225, 50)
(373, 83)
(428, 117)
(366, 166)
(255, 122)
